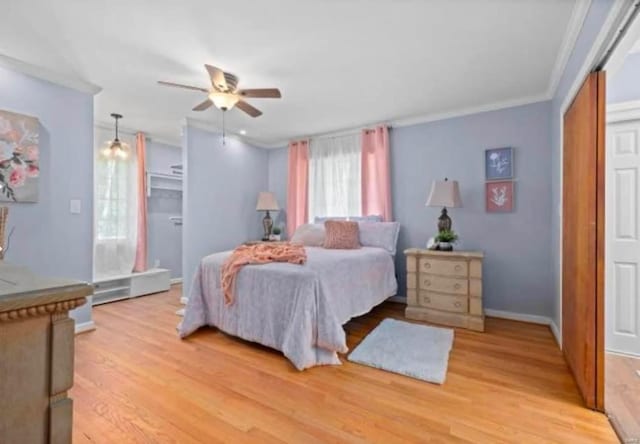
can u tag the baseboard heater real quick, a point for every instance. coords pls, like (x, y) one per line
(115, 288)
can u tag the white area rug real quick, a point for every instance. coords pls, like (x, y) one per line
(415, 350)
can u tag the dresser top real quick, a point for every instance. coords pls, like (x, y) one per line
(454, 253)
(21, 288)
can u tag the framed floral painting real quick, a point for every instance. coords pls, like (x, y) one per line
(498, 163)
(499, 197)
(19, 157)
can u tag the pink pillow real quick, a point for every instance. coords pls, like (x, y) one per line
(342, 235)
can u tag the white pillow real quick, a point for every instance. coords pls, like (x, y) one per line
(309, 235)
(379, 234)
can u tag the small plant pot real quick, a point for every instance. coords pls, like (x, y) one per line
(445, 246)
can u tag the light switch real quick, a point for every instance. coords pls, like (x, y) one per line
(74, 206)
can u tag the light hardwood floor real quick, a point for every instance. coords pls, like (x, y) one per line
(137, 382)
(622, 395)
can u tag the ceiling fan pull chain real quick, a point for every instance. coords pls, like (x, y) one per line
(223, 130)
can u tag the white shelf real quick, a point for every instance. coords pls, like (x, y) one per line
(163, 181)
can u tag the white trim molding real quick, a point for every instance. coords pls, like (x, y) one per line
(407, 121)
(557, 334)
(84, 327)
(50, 76)
(522, 317)
(619, 112)
(175, 281)
(621, 353)
(578, 15)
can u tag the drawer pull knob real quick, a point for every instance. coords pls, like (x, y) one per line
(456, 286)
(457, 304)
(427, 265)
(427, 300)
(427, 283)
(457, 268)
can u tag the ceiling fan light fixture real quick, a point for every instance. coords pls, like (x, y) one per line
(223, 101)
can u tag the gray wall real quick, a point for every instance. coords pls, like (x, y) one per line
(517, 271)
(596, 16)
(624, 85)
(164, 238)
(220, 189)
(47, 238)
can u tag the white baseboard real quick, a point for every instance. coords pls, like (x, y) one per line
(533, 319)
(184, 300)
(175, 281)
(621, 353)
(556, 333)
(85, 327)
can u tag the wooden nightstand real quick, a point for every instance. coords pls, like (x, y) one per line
(445, 287)
(256, 242)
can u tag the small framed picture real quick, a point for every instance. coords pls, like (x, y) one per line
(499, 196)
(498, 163)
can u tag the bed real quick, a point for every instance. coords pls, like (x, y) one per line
(297, 309)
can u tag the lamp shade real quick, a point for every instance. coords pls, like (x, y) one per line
(444, 193)
(267, 202)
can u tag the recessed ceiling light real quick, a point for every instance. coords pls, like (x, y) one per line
(243, 132)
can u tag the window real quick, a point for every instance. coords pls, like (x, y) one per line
(334, 176)
(116, 209)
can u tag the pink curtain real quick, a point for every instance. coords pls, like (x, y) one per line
(141, 247)
(298, 185)
(376, 177)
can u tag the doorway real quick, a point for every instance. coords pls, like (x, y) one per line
(622, 240)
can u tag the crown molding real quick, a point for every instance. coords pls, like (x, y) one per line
(616, 15)
(578, 15)
(417, 120)
(461, 112)
(50, 76)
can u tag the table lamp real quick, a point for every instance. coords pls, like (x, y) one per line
(267, 202)
(444, 193)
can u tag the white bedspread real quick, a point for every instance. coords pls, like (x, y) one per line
(297, 309)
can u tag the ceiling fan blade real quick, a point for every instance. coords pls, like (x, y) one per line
(178, 85)
(204, 105)
(266, 93)
(249, 109)
(218, 80)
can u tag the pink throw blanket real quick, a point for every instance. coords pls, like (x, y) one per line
(257, 254)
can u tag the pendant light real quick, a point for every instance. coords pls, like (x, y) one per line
(116, 150)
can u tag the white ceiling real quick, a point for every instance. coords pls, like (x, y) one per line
(338, 63)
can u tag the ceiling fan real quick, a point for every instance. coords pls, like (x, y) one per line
(224, 92)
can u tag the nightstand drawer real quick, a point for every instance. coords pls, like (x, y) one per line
(445, 302)
(443, 267)
(443, 284)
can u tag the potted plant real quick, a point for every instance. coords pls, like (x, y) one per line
(446, 239)
(275, 234)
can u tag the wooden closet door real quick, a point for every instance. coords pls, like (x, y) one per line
(583, 239)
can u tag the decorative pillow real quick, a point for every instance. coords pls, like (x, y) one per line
(379, 234)
(321, 220)
(309, 235)
(342, 235)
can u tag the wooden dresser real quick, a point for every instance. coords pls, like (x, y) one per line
(445, 287)
(36, 355)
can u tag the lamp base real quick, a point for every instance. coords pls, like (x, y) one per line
(267, 224)
(444, 221)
